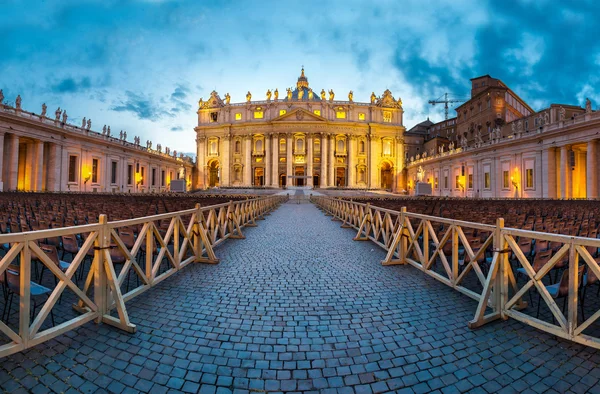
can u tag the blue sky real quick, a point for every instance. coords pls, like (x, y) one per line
(142, 65)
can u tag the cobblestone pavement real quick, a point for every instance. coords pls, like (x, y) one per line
(300, 307)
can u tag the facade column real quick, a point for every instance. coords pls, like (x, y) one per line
(331, 180)
(267, 159)
(309, 160)
(1, 161)
(564, 172)
(38, 166)
(399, 170)
(224, 179)
(324, 157)
(592, 170)
(275, 162)
(288, 161)
(373, 149)
(248, 161)
(351, 161)
(549, 171)
(201, 161)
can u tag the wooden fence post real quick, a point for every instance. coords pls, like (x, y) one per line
(25, 294)
(100, 290)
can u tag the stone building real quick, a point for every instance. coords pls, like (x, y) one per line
(43, 154)
(504, 149)
(302, 138)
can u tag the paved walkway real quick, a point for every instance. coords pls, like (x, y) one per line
(299, 306)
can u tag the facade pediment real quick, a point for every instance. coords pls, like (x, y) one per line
(299, 115)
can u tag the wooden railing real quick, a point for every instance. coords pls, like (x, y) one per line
(480, 266)
(163, 245)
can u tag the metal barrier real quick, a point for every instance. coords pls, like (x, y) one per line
(411, 238)
(172, 239)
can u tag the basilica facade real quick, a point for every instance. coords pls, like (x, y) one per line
(304, 138)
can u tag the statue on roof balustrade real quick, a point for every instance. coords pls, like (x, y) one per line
(289, 94)
(44, 109)
(1, 96)
(350, 96)
(546, 117)
(228, 98)
(121, 135)
(108, 131)
(89, 124)
(300, 94)
(399, 102)
(269, 95)
(104, 130)
(588, 105)
(373, 98)
(124, 135)
(561, 113)
(248, 96)
(18, 102)
(310, 94)
(64, 117)
(200, 102)
(57, 114)
(83, 123)
(276, 95)
(323, 94)
(331, 95)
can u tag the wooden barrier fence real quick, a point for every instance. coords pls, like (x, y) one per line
(190, 236)
(411, 238)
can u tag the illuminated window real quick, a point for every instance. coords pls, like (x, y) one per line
(505, 177)
(317, 112)
(387, 148)
(361, 116)
(457, 182)
(470, 181)
(282, 145)
(73, 168)
(529, 178)
(340, 114)
(387, 116)
(361, 146)
(258, 114)
(94, 170)
(282, 112)
(238, 116)
(436, 183)
(214, 148)
(487, 180)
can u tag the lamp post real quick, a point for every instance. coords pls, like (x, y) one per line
(85, 181)
(515, 185)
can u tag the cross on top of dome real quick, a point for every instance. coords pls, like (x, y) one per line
(302, 80)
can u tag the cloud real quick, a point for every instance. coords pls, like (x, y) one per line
(142, 107)
(177, 128)
(71, 85)
(177, 98)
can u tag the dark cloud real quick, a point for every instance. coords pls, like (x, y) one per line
(71, 85)
(180, 94)
(177, 128)
(142, 107)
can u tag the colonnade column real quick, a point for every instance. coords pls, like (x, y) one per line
(309, 160)
(288, 161)
(351, 161)
(564, 172)
(248, 161)
(373, 149)
(275, 162)
(224, 179)
(331, 180)
(592, 170)
(324, 153)
(38, 167)
(398, 176)
(1, 161)
(267, 157)
(549, 169)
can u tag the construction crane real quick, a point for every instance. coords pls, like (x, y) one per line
(445, 100)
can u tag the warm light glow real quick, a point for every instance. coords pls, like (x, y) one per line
(258, 114)
(282, 112)
(361, 116)
(317, 112)
(238, 116)
(340, 114)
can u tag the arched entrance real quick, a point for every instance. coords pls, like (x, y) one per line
(282, 179)
(386, 175)
(213, 173)
(259, 176)
(299, 172)
(340, 177)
